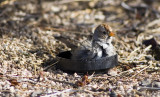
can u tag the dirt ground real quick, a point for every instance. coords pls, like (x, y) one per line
(33, 32)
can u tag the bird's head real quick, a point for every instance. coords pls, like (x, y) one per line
(103, 32)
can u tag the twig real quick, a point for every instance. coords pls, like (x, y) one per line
(149, 88)
(154, 22)
(5, 2)
(132, 53)
(69, 1)
(141, 70)
(90, 77)
(50, 65)
(127, 7)
(35, 67)
(60, 92)
(103, 77)
(54, 29)
(49, 50)
(93, 93)
(145, 50)
(153, 30)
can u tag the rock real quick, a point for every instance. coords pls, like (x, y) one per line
(156, 84)
(145, 82)
(112, 72)
(155, 47)
(149, 57)
(112, 94)
(36, 93)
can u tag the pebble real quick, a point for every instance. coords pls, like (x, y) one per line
(158, 65)
(149, 57)
(35, 93)
(145, 82)
(156, 84)
(12, 89)
(112, 94)
(24, 86)
(112, 72)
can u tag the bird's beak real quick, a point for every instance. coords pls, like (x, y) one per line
(111, 34)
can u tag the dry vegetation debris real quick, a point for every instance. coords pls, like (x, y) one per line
(32, 33)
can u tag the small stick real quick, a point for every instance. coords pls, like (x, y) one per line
(93, 93)
(35, 67)
(5, 2)
(50, 65)
(154, 22)
(149, 88)
(145, 50)
(69, 1)
(49, 50)
(58, 93)
(132, 53)
(141, 70)
(90, 77)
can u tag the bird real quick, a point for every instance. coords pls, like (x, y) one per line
(100, 45)
(102, 41)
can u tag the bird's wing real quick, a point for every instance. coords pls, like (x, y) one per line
(82, 54)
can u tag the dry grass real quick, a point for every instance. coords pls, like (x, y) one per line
(29, 45)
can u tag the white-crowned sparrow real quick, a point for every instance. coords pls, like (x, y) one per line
(100, 45)
(101, 42)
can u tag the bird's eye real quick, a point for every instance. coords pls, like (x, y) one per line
(104, 32)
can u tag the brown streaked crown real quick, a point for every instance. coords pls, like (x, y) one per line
(108, 28)
(103, 31)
